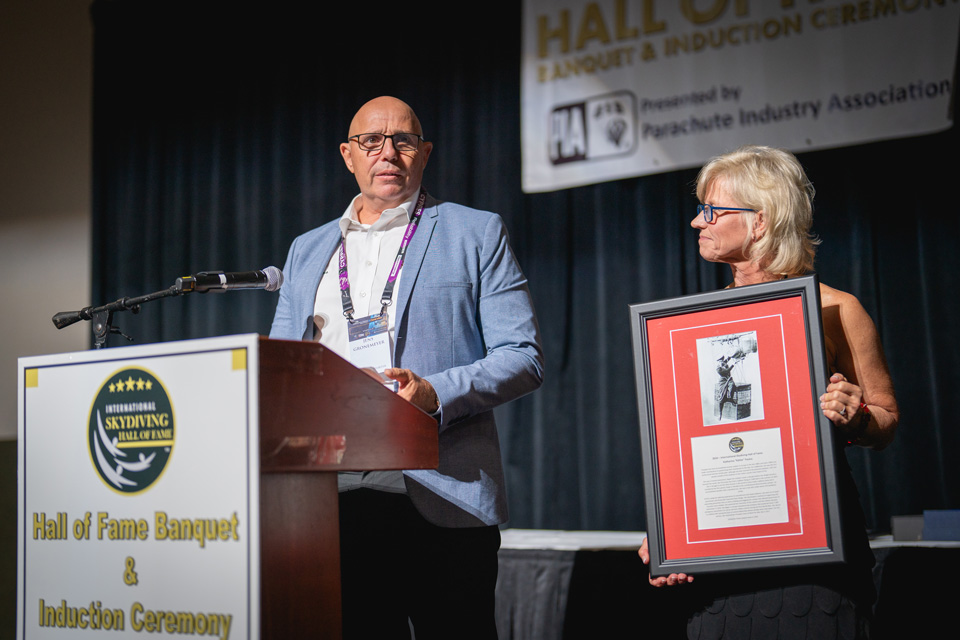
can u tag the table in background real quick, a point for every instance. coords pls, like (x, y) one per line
(569, 585)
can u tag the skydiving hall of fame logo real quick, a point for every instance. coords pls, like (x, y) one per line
(131, 430)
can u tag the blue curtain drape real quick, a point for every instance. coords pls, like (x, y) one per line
(216, 128)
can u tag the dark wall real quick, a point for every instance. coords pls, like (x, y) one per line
(215, 144)
(8, 538)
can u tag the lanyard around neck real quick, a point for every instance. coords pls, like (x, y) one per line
(386, 299)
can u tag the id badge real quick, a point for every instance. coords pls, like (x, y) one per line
(369, 342)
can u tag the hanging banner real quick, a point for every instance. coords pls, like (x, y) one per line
(616, 89)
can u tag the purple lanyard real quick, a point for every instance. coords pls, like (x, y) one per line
(386, 299)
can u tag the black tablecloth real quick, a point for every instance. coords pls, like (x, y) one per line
(565, 593)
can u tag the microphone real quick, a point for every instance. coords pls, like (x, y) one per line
(269, 279)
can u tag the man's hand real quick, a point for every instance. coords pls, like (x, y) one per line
(414, 389)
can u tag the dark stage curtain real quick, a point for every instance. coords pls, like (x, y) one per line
(215, 143)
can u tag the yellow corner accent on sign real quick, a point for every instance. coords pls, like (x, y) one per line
(239, 359)
(30, 377)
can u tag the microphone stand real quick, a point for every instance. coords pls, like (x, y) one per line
(102, 316)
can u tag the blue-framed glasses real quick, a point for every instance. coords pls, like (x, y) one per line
(708, 209)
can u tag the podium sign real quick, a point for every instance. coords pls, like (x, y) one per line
(138, 484)
(190, 488)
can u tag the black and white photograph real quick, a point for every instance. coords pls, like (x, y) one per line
(730, 388)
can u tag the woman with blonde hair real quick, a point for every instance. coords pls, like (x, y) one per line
(755, 214)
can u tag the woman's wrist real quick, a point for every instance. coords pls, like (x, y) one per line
(861, 423)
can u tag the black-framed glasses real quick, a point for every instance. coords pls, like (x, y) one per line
(708, 209)
(375, 141)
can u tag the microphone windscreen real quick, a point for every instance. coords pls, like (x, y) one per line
(274, 278)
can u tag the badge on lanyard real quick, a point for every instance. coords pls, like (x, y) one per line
(368, 337)
(369, 342)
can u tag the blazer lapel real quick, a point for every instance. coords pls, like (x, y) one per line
(415, 254)
(327, 244)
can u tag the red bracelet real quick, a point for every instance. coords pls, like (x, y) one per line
(862, 426)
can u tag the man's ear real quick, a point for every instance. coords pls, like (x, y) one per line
(425, 151)
(347, 157)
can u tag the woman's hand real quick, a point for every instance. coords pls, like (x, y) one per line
(841, 403)
(672, 579)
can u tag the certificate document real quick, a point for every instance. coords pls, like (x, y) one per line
(739, 479)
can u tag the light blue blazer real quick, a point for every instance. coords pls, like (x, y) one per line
(465, 322)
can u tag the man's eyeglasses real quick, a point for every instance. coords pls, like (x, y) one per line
(375, 141)
(708, 209)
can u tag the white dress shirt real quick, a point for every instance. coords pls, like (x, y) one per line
(371, 252)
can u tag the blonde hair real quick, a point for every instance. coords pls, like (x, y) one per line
(772, 182)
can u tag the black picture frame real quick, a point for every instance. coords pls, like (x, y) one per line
(675, 546)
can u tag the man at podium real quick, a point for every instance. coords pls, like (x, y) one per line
(429, 294)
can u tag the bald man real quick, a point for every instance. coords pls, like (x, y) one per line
(456, 331)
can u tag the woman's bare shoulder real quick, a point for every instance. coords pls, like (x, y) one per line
(844, 308)
(835, 297)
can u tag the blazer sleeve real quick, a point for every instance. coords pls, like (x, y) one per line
(510, 364)
(306, 260)
(289, 321)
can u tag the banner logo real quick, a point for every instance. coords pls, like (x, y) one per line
(599, 127)
(131, 430)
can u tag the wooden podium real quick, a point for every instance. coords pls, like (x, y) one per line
(320, 415)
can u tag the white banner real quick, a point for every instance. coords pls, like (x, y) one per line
(622, 88)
